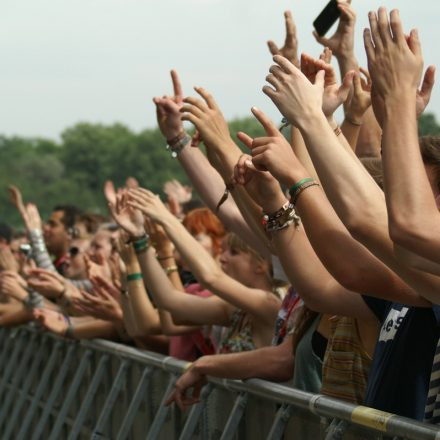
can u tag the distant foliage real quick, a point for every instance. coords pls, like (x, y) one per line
(74, 170)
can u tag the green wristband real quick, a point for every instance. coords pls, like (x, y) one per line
(134, 276)
(298, 184)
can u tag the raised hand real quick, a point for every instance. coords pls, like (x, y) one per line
(7, 259)
(395, 62)
(167, 110)
(126, 217)
(110, 192)
(104, 303)
(208, 119)
(270, 153)
(49, 284)
(296, 98)
(360, 99)
(29, 213)
(149, 204)
(13, 285)
(182, 193)
(341, 43)
(290, 48)
(334, 95)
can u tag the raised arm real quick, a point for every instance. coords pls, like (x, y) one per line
(197, 166)
(410, 186)
(346, 259)
(355, 196)
(260, 303)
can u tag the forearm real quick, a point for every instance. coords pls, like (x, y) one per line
(96, 328)
(347, 62)
(413, 214)
(273, 363)
(202, 264)
(300, 150)
(350, 132)
(39, 250)
(146, 318)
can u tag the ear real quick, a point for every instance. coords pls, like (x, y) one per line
(261, 267)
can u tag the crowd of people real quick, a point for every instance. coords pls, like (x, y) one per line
(311, 259)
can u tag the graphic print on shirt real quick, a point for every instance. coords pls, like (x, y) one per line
(392, 324)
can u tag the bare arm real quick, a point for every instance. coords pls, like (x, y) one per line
(257, 302)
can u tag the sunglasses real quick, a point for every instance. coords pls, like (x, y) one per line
(73, 251)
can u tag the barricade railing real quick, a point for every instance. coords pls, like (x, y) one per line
(53, 388)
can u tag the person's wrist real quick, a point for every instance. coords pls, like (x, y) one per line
(309, 119)
(397, 106)
(274, 203)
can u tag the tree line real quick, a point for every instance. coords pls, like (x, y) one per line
(73, 170)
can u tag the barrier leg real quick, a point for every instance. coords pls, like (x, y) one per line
(279, 424)
(97, 378)
(235, 416)
(42, 386)
(194, 415)
(19, 375)
(32, 374)
(111, 398)
(54, 392)
(71, 396)
(139, 395)
(162, 412)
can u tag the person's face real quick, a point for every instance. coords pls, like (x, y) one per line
(100, 248)
(75, 267)
(206, 241)
(55, 233)
(15, 249)
(238, 264)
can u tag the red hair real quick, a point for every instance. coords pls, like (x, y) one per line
(202, 220)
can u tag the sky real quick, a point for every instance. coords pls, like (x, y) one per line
(102, 61)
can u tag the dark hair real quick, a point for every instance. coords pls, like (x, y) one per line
(5, 232)
(374, 167)
(70, 215)
(92, 221)
(430, 150)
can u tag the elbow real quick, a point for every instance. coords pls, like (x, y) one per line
(405, 232)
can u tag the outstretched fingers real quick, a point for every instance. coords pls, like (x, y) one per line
(177, 87)
(268, 125)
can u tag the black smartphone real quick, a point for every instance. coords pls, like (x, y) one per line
(327, 17)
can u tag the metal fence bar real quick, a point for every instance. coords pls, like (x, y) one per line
(9, 369)
(161, 413)
(194, 415)
(139, 395)
(54, 392)
(12, 421)
(279, 424)
(14, 346)
(93, 387)
(235, 416)
(111, 398)
(71, 395)
(18, 377)
(42, 386)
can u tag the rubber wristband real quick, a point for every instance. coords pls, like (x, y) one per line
(298, 184)
(134, 276)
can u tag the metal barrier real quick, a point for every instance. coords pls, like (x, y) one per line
(52, 388)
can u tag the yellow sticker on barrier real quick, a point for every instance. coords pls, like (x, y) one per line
(370, 417)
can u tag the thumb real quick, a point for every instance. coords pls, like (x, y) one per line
(344, 90)
(319, 78)
(273, 48)
(246, 139)
(321, 40)
(428, 83)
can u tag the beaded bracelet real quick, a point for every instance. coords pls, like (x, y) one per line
(177, 144)
(284, 217)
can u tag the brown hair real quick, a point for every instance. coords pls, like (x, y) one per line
(374, 167)
(430, 150)
(202, 220)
